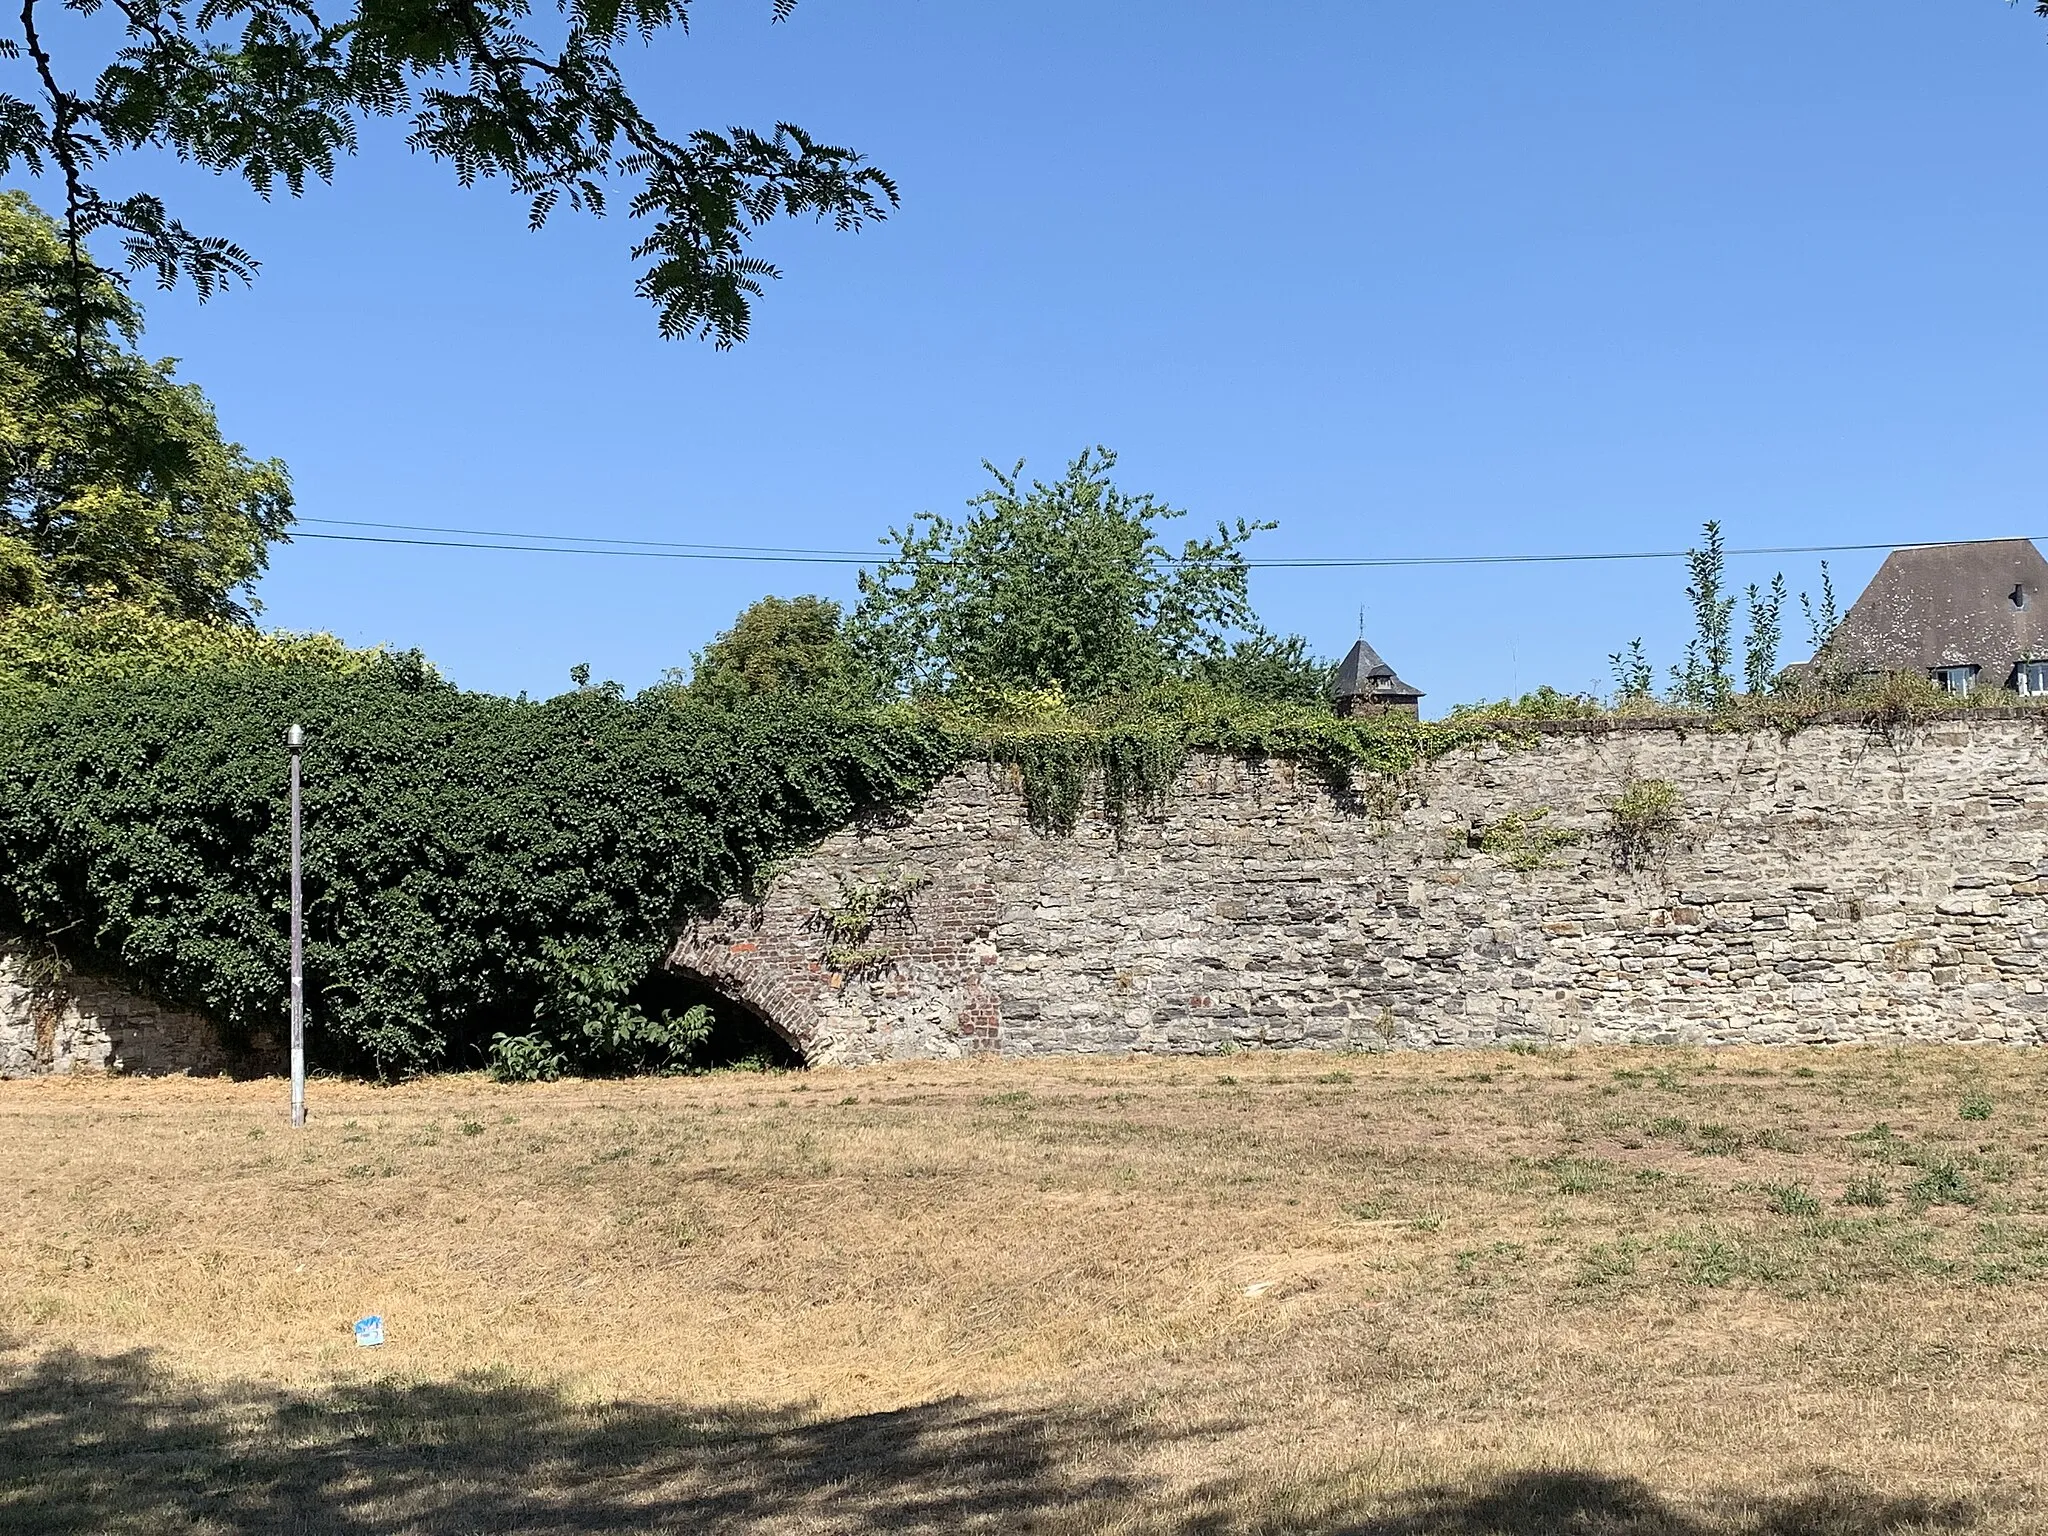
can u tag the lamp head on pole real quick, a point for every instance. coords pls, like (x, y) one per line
(295, 738)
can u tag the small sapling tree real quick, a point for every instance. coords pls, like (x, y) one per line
(1702, 680)
(1632, 673)
(1822, 620)
(1766, 634)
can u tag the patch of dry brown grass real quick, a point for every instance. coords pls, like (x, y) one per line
(1610, 1291)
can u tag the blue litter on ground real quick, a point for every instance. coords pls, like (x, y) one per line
(369, 1332)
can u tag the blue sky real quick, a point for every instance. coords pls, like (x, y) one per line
(1408, 279)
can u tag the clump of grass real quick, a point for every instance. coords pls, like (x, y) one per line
(1976, 1105)
(1476, 1263)
(1717, 1141)
(1940, 1183)
(472, 1127)
(1578, 1176)
(1520, 840)
(1606, 1264)
(1792, 1200)
(1881, 1142)
(1868, 1190)
(1705, 1258)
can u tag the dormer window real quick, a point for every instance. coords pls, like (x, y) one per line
(2031, 678)
(1955, 679)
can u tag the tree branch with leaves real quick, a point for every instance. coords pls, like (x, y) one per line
(274, 91)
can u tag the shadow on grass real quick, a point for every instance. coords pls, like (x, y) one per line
(1583, 1504)
(94, 1444)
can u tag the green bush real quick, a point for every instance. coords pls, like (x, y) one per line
(476, 867)
(1644, 818)
(1546, 703)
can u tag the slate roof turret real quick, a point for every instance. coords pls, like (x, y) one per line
(1363, 675)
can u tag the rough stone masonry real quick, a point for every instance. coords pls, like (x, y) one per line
(1838, 883)
(73, 1023)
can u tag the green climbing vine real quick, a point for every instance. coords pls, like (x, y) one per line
(849, 923)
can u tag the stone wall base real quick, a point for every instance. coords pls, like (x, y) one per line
(85, 1024)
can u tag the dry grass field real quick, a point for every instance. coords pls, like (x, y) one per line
(1628, 1293)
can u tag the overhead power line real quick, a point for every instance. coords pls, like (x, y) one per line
(653, 549)
(585, 539)
(583, 549)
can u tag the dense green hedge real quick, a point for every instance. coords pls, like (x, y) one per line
(476, 866)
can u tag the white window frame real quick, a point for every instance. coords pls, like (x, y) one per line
(1947, 677)
(2031, 686)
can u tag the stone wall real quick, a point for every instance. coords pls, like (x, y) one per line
(1837, 884)
(83, 1024)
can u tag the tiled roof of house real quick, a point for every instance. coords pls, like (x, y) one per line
(1946, 605)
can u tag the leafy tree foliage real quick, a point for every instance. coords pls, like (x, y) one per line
(274, 91)
(784, 646)
(1056, 585)
(479, 869)
(1270, 668)
(48, 644)
(115, 483)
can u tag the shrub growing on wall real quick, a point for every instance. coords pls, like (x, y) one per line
(476, 867)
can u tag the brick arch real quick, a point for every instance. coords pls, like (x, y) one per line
(721, 957)
(934, 979)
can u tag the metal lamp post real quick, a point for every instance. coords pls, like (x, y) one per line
(295, 738)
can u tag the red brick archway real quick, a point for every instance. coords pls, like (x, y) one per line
(929, 971)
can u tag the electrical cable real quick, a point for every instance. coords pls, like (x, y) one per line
(583, 538)
(651, 549)
(579, 549)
